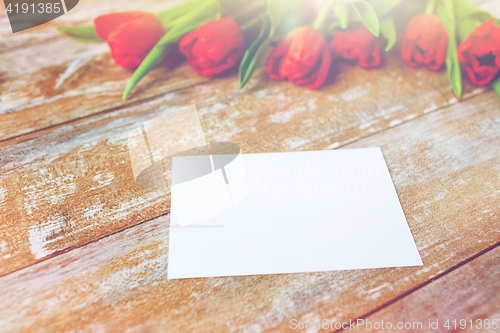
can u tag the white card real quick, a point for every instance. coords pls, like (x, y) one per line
(295, 212)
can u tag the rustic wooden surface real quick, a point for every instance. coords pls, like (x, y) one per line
(82, 248)
(452, 297)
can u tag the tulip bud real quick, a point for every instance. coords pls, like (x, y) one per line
(425, 42)
(358, 44)
(130, 35)
(480, 53)
(214, 47)
(302, 57)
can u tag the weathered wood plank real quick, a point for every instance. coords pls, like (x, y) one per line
(68, 185)
(83, 14)
(471, 292)
(72, 184)
(445, 168)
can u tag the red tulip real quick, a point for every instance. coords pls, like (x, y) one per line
(358, 44)
(130, 35)
(480, 53)
(302, 57)
(214, 47)
(425, 42)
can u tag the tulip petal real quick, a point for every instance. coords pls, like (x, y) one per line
(323, 70)
(214, 47)
(440, 56)
(275, 58)
(131, 41)
(374, 58)
(186, 44)
(302, 57)
(306, 45)
(137, 36)
(104, 24)
(358, 44)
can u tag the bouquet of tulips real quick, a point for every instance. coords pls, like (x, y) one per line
(303, 39)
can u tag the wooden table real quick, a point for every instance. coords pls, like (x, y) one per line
(82, 248)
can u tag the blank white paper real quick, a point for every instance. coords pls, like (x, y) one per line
(302, 212)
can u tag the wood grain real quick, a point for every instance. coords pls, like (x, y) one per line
(471, 292)
(445, 168)
(72, 184)
(40, 90)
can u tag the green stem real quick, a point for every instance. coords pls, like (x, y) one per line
(210, 10)
(250, 23)
(429, 9)
(323, 14)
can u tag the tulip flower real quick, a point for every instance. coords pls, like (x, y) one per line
(130, 35)
(425, 42)
(302, 57)
(358, 44)
(480, 53)
(214, 47)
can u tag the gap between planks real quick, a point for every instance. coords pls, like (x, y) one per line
(424, 284)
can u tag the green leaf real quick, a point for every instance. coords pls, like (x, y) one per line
(469, 17)
(496, 85)
(82, 34)
(454, 74)
(250, 58)
(381, 7)
(388, 30)
(367, 15)
(276, 9)
(209, 11)
(341, 12)
(465, 9)
(446, 13)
